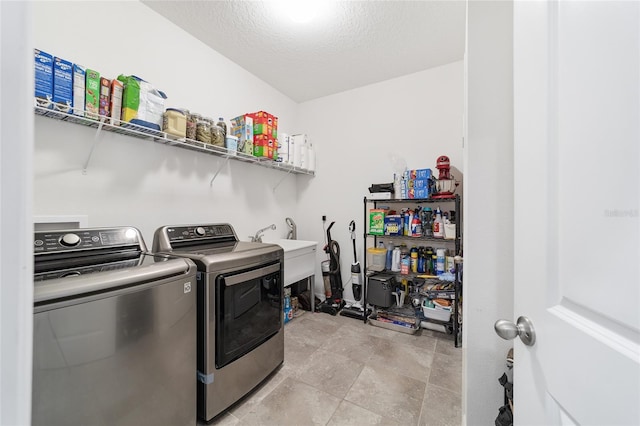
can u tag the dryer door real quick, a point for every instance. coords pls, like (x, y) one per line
(248, 310)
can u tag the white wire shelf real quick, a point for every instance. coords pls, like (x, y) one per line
(141, 132)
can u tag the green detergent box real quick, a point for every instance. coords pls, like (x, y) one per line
(376, 221)
(92, 94)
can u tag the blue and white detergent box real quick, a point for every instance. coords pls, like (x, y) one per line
(79, 73)
(420, 174)
(44, 78)
(62, 85)
(419, 183)
(418, 193)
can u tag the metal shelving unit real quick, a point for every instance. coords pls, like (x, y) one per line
(140, 132)
(455, 323)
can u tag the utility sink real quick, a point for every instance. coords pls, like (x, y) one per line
(299, 259)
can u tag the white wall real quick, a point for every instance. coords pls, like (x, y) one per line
(488, 208)
(140, 183)
(356, 133)
(16, 231)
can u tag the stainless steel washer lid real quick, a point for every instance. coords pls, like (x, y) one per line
(75, 282)
(76, 263)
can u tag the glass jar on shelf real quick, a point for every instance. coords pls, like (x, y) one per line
(203, 131)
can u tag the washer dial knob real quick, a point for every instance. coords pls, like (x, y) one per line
(70, 240)
(200, 231)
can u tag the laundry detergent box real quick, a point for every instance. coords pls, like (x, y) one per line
(376, 221)
(393, 225)
(418, 193)
(92, 94)
(115, 107)
(79, 89)
(43, 78)
(62, 85)
(418, 183)
(420, 174)
(105, 96)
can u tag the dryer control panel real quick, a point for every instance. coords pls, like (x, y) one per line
(199, 232)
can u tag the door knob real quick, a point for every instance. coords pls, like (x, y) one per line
(524, 328)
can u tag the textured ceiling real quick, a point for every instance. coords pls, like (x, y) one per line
(351, 44)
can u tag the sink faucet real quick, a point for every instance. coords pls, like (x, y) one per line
(293, 233)
(258, 237)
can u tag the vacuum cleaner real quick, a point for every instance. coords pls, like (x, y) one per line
(355, 310)
(332, 278)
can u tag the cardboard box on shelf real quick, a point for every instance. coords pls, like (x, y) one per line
(43, 63)
(92, 94)
(105, 97)
(376, 221)
(418, 183)
(242, 127)
(263, 151)
(62, 85)
(79, 88)
(393, 225)
(264, 117)
(263, 140)
(419, 193)
(265, 129)
(116, 102)
(420, 174)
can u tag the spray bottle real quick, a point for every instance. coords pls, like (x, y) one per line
(438, 225)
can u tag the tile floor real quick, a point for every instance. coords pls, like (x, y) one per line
(339, 371)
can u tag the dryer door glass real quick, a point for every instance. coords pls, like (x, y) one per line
(248, 311)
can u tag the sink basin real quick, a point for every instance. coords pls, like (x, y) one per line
(299, 259)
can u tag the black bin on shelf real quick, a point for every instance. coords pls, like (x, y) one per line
(379, 289)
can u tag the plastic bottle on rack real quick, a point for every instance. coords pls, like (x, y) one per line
(416, 227)
(389, 258)
(427, 222)
(438, 225)
(421, 260)
(428, 261)
(222, 125)
(414, 259)
(405, 260)
(440, 259)
(395, 260)
(406, 228)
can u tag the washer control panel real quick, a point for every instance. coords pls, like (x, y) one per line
(81, 239)
(198, 232)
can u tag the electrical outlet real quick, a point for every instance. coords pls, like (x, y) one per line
(324, 218)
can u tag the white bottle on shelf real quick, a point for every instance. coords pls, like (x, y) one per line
(395, 260)
(438, 225)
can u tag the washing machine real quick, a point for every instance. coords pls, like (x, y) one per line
(240, 312)
(114, 331)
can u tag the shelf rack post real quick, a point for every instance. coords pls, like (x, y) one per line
(218, 171)
(93, 145)
(281, 180)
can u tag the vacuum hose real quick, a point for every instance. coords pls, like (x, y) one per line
(334, 257)
(333, 250)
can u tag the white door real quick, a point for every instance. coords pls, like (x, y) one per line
(576, 167)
